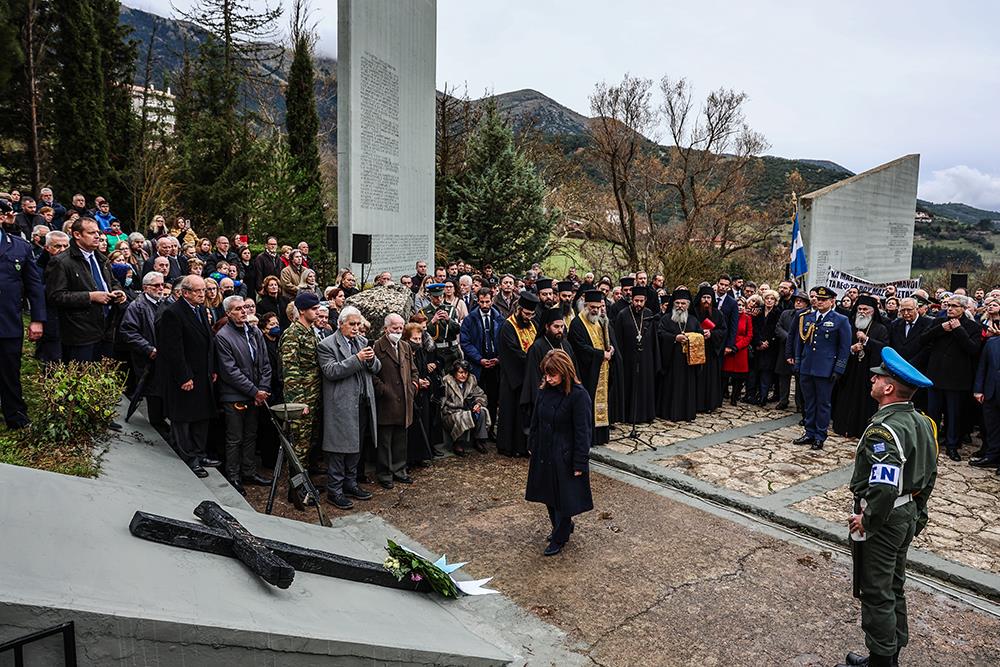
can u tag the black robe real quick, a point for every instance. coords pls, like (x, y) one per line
(677, 399)
(616, 308)
(709, 392)
(639, 367)
(853, 405)
(533, 374)
(511, 438)
(588, 369)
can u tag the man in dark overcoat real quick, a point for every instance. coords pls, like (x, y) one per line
(395, 385)
(186, 355)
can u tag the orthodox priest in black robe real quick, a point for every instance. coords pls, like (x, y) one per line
(677, 397)
(516, 336)
(598, 363)
(853, 405)
(640, 358)
(713, 324)
(627, 283)
(552, 337)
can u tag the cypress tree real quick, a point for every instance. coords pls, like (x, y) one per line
(81, 145)
(302, 124)
(498, 216)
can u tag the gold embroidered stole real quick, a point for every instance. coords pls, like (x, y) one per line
(525, 336)
(601, 416)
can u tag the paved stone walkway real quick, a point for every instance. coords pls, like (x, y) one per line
(650, 579)
(744, 456)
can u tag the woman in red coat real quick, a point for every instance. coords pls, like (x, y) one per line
(736, 365)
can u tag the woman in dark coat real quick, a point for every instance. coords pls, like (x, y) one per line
(562, 425)
(270, 300)
(765, 344)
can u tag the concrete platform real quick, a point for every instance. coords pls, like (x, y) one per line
(68, 555)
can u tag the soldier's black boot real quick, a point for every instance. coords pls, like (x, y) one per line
(855, 659)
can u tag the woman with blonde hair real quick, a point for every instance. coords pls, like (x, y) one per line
(559, 439)
(213, 300)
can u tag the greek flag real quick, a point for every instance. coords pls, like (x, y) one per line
(797, 259)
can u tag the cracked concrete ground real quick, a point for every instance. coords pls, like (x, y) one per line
(647, 580)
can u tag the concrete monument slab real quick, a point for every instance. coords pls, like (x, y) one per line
(864, 224)
(385, 131)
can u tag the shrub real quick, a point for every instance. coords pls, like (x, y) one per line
(70, 406)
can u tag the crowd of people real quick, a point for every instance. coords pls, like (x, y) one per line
(212, 334)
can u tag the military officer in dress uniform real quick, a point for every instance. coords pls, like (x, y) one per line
(19, 279)
(894, 473)
(442, 325)
(822, 346)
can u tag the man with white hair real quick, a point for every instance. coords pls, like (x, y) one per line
(163, 247)
(348, 365)
(677, 400)
(852, 404)
(138, 332)
(38, 241)
(395, 386)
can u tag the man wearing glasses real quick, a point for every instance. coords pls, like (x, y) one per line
(951, 344)
(138, 332)
(244, 386)
(187, 357)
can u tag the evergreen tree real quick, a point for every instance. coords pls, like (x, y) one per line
(118, 57)
(81, 141)
(302, 123)
(216, 154)
(499, 215)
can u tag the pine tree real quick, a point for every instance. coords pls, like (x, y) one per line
(217, 157)
(118, 57)
(499, 216)
(81, 147)
(302, 123)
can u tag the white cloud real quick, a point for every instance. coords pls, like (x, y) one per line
(963, 184)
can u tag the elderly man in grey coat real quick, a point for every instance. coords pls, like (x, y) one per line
(244, 384)
(348, 365)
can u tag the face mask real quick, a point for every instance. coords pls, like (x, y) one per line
(226, 293)
(274, 331)
(128, 282)
(395, 337)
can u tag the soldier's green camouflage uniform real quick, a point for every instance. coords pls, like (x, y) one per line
(303, 384)
(445, 334)
(896, 458)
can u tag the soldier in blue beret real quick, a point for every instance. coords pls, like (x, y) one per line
(894, 473)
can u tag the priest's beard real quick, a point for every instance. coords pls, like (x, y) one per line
(597, 319)
(555, 337)
(679, 317)
(862, 321)
(521, 322)
(566, 308)
(705, 310)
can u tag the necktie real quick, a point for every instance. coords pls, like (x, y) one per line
(906, 333)
(246, 334)
(99, 280)
(488, 330)
(355, 348)
(819, 319)
(95, 271)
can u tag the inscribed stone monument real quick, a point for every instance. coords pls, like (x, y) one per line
(864, 224)
(385, 131)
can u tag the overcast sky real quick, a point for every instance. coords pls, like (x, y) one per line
(858, 83)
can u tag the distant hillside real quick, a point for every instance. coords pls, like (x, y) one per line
(960, 212)
(525, 107)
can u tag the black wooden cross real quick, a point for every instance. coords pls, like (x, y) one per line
(275, 562)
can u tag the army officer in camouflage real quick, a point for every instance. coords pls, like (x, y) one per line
(300, 368)
(894, 473)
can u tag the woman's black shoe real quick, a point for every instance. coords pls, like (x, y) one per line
(552, 549)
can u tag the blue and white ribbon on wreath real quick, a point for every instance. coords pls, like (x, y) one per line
(474, 587)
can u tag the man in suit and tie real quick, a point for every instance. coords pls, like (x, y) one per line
(20, 279)
(479, 337)
(822, 345)
(905, 330)
(83, 291)
(726, 304)
(187, 356)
